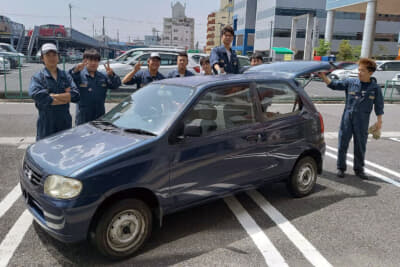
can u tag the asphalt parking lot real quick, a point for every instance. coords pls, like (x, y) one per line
(345, 222)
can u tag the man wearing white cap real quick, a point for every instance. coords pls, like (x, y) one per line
(52, 90)
(143, 77)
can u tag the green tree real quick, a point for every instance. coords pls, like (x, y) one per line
(345, 51)
(356, 52)
(323, 48)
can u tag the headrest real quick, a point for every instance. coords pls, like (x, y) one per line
(206, 112)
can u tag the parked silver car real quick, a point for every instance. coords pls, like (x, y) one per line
(8, 51)
(4, 65)
(344, 73)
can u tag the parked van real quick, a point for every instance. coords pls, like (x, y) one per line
(386, 70)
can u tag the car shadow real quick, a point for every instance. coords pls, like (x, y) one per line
(196, 231)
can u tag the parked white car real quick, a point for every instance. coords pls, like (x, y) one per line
(168, 63)
(9, 52)
(344, 73)
(4, 65)
(396, 82)
(385, 71)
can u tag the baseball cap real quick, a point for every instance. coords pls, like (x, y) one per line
(48, 47)
(155, 54)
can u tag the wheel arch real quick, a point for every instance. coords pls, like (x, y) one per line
(315, 154)
(144, 194)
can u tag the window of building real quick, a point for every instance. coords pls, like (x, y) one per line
(175, 38)
(239, 40)
(250, 39)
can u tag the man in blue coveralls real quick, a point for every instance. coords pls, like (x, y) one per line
(223, 59)
(144, 77)
(93, 86)
(181, 70)
(52, 90)
(361, 95)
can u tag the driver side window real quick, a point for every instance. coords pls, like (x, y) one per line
(278, 100)
(222, 109)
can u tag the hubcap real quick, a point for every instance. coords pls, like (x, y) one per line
(125, 230)
(306, 176)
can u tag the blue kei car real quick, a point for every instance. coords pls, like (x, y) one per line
(171, 145)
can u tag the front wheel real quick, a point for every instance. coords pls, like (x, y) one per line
(123, 228)
(303, 178)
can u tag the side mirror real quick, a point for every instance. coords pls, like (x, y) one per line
(192, 130)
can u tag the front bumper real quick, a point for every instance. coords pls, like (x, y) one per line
(65, 220)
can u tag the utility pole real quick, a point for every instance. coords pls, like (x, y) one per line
(104, 32)
(93, 31)
(70, 19)
(270, 40)
(117, 35)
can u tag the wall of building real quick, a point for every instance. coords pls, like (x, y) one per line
(347, 26)
(244, 25)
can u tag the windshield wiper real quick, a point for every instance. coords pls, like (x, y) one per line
(139, 131)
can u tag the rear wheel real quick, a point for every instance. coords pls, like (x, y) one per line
(123, 228)
(303, 178)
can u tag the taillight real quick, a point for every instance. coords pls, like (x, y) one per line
(197, 69)
(321, 122)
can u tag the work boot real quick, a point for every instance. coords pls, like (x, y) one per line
(340, 173)
(361, 174)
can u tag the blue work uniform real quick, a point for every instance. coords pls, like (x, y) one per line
(176, 74)
(360, 98)
(93, 92)
(143, 77)
(220, 56)
(52, 118)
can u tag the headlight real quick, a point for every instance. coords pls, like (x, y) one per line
(61, 187)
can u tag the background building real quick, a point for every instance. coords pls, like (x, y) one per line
(244, 26)
(273, 21)
(178, 30)
(216, 21)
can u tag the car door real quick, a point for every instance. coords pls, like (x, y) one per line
(225, 156)
(284, 126)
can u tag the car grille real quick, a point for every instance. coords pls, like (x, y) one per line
(32, 175)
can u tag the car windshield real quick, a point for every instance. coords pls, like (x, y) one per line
(149, 110)
(351, 67)
(128, 56)
(8, 48)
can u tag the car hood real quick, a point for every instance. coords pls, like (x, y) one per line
(69, 151)
(293, 68)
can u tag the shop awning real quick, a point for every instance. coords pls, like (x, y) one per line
(282, 50)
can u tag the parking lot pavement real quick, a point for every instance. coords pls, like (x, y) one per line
(344, 222)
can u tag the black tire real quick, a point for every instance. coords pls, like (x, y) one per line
(136, 217)
(303, 177)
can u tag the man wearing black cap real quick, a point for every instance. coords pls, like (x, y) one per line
(143, 77)
(53, 90)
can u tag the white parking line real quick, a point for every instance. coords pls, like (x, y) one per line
(305, 247)
(9, 200)
(268, 250)
(17, 140)
(376, 166)
(371, 172)
(14, 237)
(334, 135)
(395, 139)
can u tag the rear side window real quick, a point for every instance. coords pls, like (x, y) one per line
(168, 59)
(391, 66)
(222, 109)
(143, 59)
(278, 100)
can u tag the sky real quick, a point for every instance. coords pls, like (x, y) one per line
(133, 19)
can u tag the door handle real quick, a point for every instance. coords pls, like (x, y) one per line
(253, 138)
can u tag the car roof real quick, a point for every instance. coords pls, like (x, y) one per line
(214, 80)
